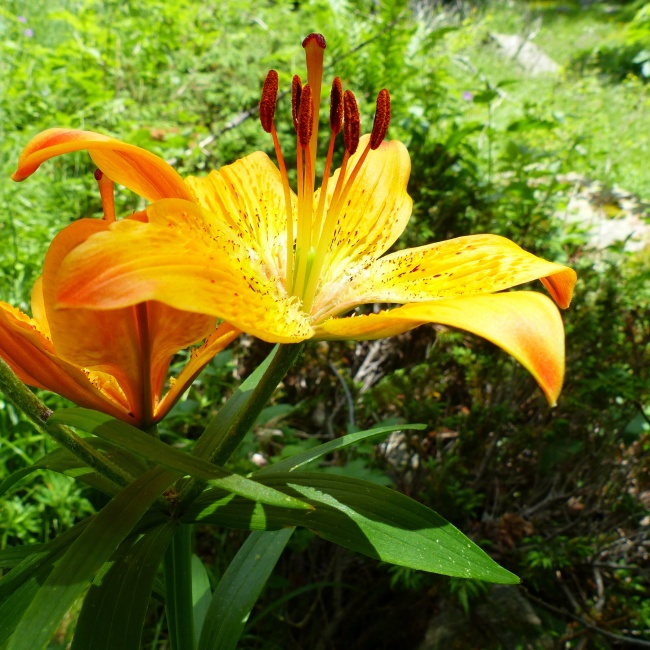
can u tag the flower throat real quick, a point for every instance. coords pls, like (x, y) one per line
(316, 226)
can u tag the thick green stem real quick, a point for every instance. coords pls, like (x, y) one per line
(225, 432)
(178, 590)
(259, 398)
(24, 400)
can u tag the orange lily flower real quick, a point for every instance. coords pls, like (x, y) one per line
(242, 246)
(115, 361)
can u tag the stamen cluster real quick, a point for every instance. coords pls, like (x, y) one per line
(307, 248)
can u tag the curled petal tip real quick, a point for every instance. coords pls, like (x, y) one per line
(560, 286)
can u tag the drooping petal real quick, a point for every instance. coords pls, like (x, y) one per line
(39, 314)
(200, 357)
(139, 170)
(249, 196)
(376, 210)
(33, 358)
(456, 267)
(525, 324)
(171, 330)
(187, 260)
(105, 341)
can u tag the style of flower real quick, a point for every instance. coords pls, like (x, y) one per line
(240, 245)
(115, 361)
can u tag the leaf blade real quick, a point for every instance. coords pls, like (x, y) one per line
(364, 517)
(84, 557)
(309, 455)
(115, 607)
(240, 587)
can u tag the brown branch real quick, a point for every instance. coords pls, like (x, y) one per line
(630, 641)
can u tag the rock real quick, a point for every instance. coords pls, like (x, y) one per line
(527, 54)
(503, 619)
(607, 216)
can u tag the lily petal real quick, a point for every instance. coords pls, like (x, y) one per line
(376, 210)
(32, 357)
(174, 259)
(105, 341)
(525, 324)
(171, 330)
(248, 196)
(200, 357)
(456, 267)
(139, 170)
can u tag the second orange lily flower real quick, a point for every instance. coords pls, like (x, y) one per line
(114, 361)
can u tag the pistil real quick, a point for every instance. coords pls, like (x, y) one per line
(305, 189)
(314, 46)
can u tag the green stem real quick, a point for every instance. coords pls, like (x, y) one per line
(177, 568)
(24, 400)
(259, 398)
(236, 417)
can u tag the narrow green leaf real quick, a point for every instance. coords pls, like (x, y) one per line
(179, 609)
(362, 516)
(201, 594)
(14, 604)
(84, 557)
(133, 439)
(31, 566)
(65, 462)
(14, 478)
(240, 587)
(305, 457)
(13, 555)
(114, 609)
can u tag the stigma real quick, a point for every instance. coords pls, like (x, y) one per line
(310, 235)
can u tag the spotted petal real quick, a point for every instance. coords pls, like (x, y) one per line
(187, 259)
(376, 210)
(456, 267)
(525, 324)
(249, 196)
(139, 170)
(217, 341)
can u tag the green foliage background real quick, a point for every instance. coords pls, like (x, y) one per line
(559, 497)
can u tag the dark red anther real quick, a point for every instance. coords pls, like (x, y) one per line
(99, 174)
(305, 117)
(382, 119)
(296, 92)
(352, 123)
(269, 100)
(336, 106)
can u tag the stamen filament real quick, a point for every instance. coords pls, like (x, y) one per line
(306, 188)
(330, 225)
(318, 221)
(107, 194)
(326, 235)
(287, 199)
